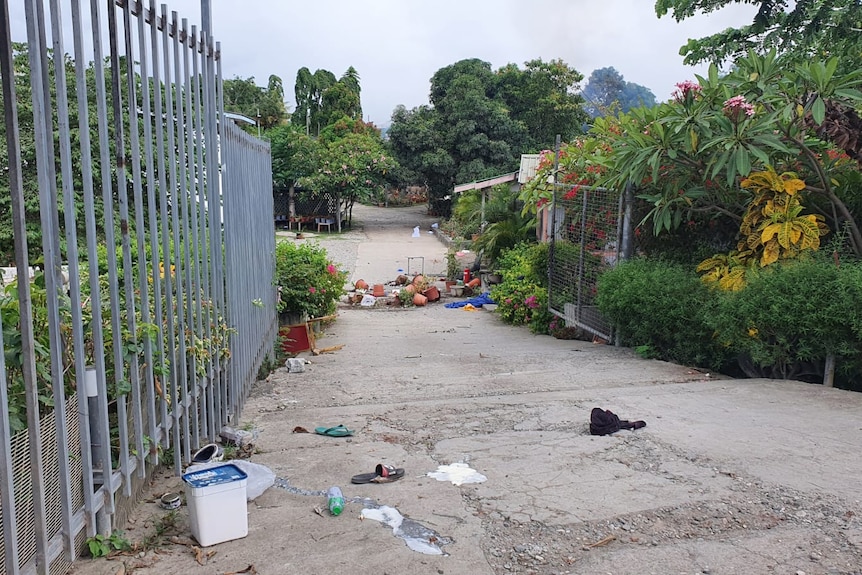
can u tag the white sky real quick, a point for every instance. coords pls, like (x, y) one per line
(397, 45)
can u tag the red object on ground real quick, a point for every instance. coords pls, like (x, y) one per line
(473, 283)
(296, 338)
(378, 290)
(466, 275)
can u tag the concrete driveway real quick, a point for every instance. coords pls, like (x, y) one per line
(729, 476)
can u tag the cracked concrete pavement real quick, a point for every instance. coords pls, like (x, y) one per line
(729, 476)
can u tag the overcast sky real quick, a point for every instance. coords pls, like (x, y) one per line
(397, 45)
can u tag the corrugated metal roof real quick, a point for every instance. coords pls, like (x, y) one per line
(490, 183)
(529, 164)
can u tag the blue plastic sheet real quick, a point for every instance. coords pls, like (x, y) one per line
(477, 301)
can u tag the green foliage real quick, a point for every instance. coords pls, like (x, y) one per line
(102, 545)
(307, 281)
(294, 155)
(481, 121)
(688, 156)
(264, 104)
(606, 91)
(322, 100)
(802, 30)
(781, 325)
(522, 297)
(664, 307)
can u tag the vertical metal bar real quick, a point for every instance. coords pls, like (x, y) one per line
(44, 162)
(178, 194)
(628, 222)
(64, 139)
(192, 293)
(92, 258)
(218, 229)
(123, 206)
(171, 251)
(213, 203)
(141, 259)
(160, 257)
(583, 241)
(199, 238)
(152, 216)
(16, 190)
(108, 207)
(553, 219)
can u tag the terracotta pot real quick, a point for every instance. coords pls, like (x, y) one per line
(474, 283)
(418, 279)
(378, 290)
(432, 293)
(449, 285)
(361, 284)
(410, 288)
(401, 280)
(419, 300)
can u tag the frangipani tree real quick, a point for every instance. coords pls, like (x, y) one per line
(687, 157)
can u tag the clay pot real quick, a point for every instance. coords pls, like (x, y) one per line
(419, 300)
(401, 280)
(378, 290)
(474, 283)
(418, 279)
(449, 285)
(410, 288)
(361, 284)
(432, 293)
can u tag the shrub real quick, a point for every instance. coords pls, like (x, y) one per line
(661, 309)
(522, 297)
(307, 281)
(790, 316)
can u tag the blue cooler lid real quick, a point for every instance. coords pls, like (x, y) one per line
(215, 475)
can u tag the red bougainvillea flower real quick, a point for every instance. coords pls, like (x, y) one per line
(331, 269)
(312, 289)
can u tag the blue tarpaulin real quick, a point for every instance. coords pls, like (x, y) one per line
(477, 301)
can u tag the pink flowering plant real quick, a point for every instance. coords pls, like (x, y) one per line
(522, 297)
(307, 280)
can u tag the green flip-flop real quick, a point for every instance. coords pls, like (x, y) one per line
(337, 431)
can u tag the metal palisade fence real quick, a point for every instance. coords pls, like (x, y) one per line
(136, 224)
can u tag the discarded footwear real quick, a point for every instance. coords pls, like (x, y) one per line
(207, 453)
(382, 474)
(337, 431)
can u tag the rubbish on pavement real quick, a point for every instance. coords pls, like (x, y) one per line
(337, 431)
(170, 501)
(458, 474)
(300, 429)
(477, 301)
(382, 474)
(417, 536)
(216, 498)
(238, 437)
(259, 477)
(368, 301)
(335, 500)
(606, 422)
(207, 453)
(295, 365)
(416, 232)
(329, 349)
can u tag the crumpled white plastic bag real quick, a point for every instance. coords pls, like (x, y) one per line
(260, 477)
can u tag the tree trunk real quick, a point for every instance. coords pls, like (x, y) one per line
(291, 200)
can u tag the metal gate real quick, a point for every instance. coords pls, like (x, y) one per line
(140, 303)
(585, 228)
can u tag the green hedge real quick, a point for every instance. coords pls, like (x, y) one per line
(661, 309)
(783, 324)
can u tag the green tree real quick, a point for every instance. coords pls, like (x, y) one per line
(607, 91)
(813, 28)
(294, 156)
(544, 97)
(266, 105)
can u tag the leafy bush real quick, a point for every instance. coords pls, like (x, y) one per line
(522, 297)
(307, 281)
(791, 315)
(662, 309)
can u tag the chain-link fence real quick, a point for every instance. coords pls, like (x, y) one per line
(585, 227)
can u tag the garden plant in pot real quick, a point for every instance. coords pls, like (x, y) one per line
(309, 284)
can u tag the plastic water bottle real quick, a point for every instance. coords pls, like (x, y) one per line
(335, 500)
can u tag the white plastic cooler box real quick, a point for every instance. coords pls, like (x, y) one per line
(216, 499)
